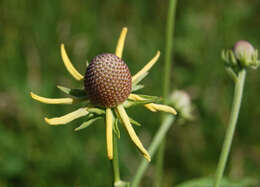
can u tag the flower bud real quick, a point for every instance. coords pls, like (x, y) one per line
(181, 101)
(245, 53)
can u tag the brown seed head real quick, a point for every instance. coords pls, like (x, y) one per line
(108, 81)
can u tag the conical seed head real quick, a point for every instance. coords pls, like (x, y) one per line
(108, 80)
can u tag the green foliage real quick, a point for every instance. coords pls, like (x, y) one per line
(208, 182)
(35, 154)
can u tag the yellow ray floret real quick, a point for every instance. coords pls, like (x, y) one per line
(152, 106)
(138, 98)
(163, 108)
(147, 67)
(121, 43)
(69, 65)
(52, 100)
(67, 118)
(109, 133)
(131, 132)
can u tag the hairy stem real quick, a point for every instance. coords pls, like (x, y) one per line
(239, 86)
(159, 136)
(166, 82)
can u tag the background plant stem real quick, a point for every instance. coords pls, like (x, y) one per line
(115, 161)
(239, 86)
(166, 82)
(160, 134)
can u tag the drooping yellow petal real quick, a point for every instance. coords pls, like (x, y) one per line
(71, 69)
(121, 43)
(138, 98)
(109, 133)
(131, 132)
(133, 97)
(163, 108)
(67, 118)
(52, 100)
(152, 106)
(146, 68)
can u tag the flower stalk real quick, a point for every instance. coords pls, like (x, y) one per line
(238, 92)
(160, 134)
(166, 82)
(115, 162)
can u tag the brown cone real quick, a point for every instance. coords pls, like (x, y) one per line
(108, 81)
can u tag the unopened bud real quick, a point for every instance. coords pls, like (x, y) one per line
(182, 103)
(242, 55)
(246, 54)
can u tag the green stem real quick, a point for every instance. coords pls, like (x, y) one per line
(159, 136)
(115, 162)
(166, 81)
(239, 86)
(168, 47)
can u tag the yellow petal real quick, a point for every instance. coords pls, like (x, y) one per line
(69, 65)
(52, 100)
(138, 98)
(152, 106)
(131, 132)
(121, 43)
(109, 133)
(163, 108)
(67, 118)
(146, 68)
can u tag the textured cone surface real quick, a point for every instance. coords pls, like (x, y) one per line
(108, 80)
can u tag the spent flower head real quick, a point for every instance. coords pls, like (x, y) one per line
(108, 91)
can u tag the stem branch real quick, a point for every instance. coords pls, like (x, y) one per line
(239, 86)
(166, 82)
(159, 136)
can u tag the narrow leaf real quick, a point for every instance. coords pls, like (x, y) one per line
(87, 123)
(116, 128)
(73, 92)
(132, 121)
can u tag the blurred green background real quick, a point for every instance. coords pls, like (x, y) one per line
(31, 31)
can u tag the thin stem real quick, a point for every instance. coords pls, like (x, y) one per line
(159, 136)
(166, 82)
(115, 161)
(159, 164)
(239, 86)
(168, 46)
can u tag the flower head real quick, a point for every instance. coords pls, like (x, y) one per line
(108, 90)
(108, 81)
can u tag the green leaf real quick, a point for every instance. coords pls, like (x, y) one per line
(132, 121)
(97, 111)
(130, 103)
(116, 128)
(226, 182)
(73, 92)
(148, 99)
(87, 123)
